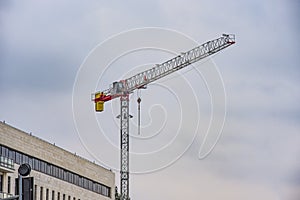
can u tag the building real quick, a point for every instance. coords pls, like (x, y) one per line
(57, 174)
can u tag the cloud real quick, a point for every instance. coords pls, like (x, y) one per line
(197, 182)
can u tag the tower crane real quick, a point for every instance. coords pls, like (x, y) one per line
(123, 88)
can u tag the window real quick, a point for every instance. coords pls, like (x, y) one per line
(90, 185)
(80, 181)
(12, 154)
(105, 191)
(54, 171)
(1, 183)
(52, 196)
(18, 158)
(36, 164)
(65, 175)
(30, 161)
(64, 197)
(47, 194)
(49, 169)
(4, 151)
(70, 177)
(43, 166)
(58, 196)
(35, 192)
(41, 193)
(9, 185)
(25, 159)
(85, 183)
(69, 198)
(75, 179)
(60, 173)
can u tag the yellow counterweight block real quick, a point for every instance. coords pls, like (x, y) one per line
(99, 106)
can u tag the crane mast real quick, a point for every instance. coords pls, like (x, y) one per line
(123, 88)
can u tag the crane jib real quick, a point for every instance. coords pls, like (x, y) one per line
(180, 61)
(140, 80)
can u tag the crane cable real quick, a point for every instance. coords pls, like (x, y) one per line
(139, 111)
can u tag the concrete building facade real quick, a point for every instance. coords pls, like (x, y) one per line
(57, 173)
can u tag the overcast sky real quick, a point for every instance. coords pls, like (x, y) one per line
(44, 43)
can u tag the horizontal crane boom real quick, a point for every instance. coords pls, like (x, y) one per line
(140, 80)
(179, 62)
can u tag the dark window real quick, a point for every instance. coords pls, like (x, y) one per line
(58, 196)
(4, 151)
(85, 183)
(47, 194)
(36, 164)
(75, 179)
(12, 154)
(65, 175)
(70, 177)
(52, 196)
(30, 161)
(41, 193)
(91, 185)
(35, 192)
(1, 183)
(80, 181)
(49, 169)
(55, 171)
(60, 173)
(9, 185)
(25, 159)
(18, 158)
(43, 166)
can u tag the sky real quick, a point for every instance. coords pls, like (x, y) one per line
(45, 46)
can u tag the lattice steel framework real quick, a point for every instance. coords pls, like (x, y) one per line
(141, 79)
(124, 121)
